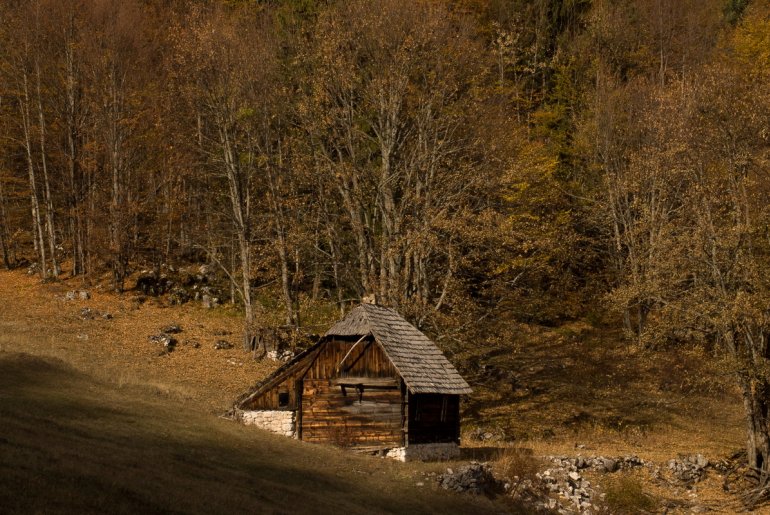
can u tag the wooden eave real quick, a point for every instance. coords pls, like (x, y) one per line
(280, 374)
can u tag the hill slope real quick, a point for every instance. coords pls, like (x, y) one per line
(70, 443)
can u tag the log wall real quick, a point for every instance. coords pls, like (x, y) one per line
(352, 397)
(289, 384)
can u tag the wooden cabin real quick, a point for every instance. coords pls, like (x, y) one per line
(373, 382)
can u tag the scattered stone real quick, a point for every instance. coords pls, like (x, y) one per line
(151, 283)
(179, 296)
(609, 465)
(77, 295)
(195, 344)
(569, 491)
(223, 344)
(87, 314)
(284, 356)
(475, 478)
(689, 469)
(171, 329)
(168, 341)
(107, 316)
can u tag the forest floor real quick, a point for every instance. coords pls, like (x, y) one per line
(92, 406)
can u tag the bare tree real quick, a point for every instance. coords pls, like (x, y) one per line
(388, 133)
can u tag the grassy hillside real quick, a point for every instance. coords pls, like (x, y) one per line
(94, 416)
(70, 443)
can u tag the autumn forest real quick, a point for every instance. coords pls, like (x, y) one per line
(461, 160)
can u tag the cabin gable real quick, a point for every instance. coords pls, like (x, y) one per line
(352, 396)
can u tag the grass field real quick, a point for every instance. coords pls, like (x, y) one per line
(69, 443)
(95, 418)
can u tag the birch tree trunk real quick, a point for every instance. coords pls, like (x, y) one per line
(72, 150)
(49, 209)
(37, 223)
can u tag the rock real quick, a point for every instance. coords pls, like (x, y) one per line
(609, 464)
(688, 469)
(77, 295)
(574, 476)
(107, 316)
(475, 478)
(171, 329)
(223, 344)
(195, 344)
(283, 356)
(178, 296)
(87, 314)
(168, 341)
(149, 283)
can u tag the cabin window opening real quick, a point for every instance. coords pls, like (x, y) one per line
(344, 391)
(444, 404)
(283, 399)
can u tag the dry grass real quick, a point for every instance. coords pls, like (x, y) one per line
(72, 444)
(94, 419)
(575, 390)
(571, 390)
(36, 319)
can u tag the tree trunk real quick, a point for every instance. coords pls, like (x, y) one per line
(239, 202)
(49, 213)
(37, 224)
(72, 149)
(4, 230)
(756, 403)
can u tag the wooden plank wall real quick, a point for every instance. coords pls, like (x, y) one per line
(434, 418)
(346, 415)
(268, 400)
(365, 359)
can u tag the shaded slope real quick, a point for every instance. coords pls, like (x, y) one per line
(69, 443)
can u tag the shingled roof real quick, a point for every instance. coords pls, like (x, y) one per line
(420, 363)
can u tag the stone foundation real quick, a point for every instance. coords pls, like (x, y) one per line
(281, 422)
(425, 452)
